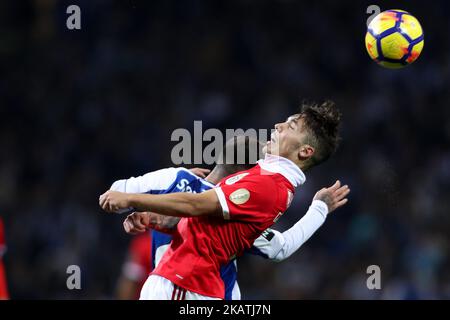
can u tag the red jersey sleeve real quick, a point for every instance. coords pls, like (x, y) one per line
(253, 198)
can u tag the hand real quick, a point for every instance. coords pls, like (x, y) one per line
(137, 222)
(201, 172)
(113, 201)
(333, 196)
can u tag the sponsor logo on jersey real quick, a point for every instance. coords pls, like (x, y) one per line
(240, 196)
(268, 234)
(183, 186)
(235, 179)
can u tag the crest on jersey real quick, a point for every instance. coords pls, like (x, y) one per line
(240, 196)
(235, 179)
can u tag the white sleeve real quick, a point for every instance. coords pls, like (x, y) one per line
(156, 180)
(279, 246)
(268, 244)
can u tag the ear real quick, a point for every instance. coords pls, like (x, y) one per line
(305, 152)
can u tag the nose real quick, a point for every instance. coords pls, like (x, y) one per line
(277, 126)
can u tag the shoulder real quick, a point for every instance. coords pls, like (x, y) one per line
(262, 189)
(263, 182)
(172, 174)
(186, 173)
(187, 177)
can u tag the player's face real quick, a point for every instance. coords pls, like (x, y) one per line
(288, 138)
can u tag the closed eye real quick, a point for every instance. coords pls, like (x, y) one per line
(291, 121)
(292, 124)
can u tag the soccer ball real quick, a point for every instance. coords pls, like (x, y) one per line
(394, 39)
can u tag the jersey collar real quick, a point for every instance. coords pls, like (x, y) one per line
(285, 167)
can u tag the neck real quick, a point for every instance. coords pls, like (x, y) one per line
(291, 169)
(216, 175)
(301, 164)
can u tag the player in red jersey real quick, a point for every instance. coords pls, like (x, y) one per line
(3, 287)
(137, 265)
(223, 222)
(136, 268)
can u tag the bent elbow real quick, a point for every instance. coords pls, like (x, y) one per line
(282, 255)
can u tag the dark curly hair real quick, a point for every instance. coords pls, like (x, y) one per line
(322, 122)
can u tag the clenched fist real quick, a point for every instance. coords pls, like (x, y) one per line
(137, 222)
(114, 201)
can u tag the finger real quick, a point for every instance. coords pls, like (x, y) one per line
(132, 232)
(110, 206)
(131, 228)
(127, 226)
(102, 200)
(342, 196)
(341, 192)
(145, 219)
(137, 222)
(104, 205)
(106, 201)
(204, 172)
(200, 172)
(335, 186)
(341, 203)
(138, 230)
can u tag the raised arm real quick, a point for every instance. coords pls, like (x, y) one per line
(278, 246)
(179, 204)
(152, 181)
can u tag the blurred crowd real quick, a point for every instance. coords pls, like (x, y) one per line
(82, 108)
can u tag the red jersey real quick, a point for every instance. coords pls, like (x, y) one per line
(137, 267)
(3, 287)
(251, 201)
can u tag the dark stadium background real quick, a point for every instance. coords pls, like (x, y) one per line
(83, 108)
